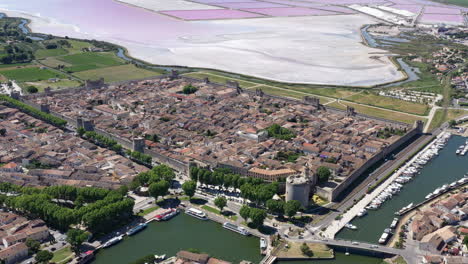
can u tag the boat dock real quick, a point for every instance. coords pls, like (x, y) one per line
(336, 225)
(411, 208)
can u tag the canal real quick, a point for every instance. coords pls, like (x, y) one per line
(180, 233)
(184, 232)
(443, 169)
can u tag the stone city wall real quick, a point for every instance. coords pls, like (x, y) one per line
(335, 193)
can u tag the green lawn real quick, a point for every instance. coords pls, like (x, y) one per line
(288, 93)
(62, 255)
(149, 210)
(63, 83)
(117, 73)
(30, 74)
(77, 46)
(90, 60)
(219, 79)
(441, 116)
(382, 113)
(218, 212)
(45, 53)
(369, 98)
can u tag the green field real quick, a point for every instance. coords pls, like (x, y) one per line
(2, 66)
(382, 113)
(44, 53)
(62, 255)
(147, 211)
(63, 83)
(77, 46)
(90, 60)
(117, 73)
(453, 2)
(389, 103)
(441, 116)
(288, 93)
(30, 74)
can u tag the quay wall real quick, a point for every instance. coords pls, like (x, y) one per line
(335, 193)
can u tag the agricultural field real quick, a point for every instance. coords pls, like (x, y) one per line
(45, 53)
(378, 112)
(90, 60)
(30, 74)
(373, 99)
(117, 73)
(62, 83)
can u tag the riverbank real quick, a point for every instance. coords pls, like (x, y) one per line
(404, 220)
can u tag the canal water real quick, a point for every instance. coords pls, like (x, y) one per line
(340, 258)
(443, 169)
(180, 233)
(184, 232)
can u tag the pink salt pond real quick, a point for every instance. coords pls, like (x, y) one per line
(210, 14)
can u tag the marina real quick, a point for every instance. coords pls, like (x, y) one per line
(433, 175)
(410, 170)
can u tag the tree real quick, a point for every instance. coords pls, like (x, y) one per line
(275, 207)
(291, 207)
(76, 237)
(189, 188)
(245, 212)
(123, 190)
(31, 89)
(323, 174)
(220, 202)
(189, 89)
(3, 131)
(257, 216)
(452, 123)
(158, 189)
(33, 245)
(44, 256)
(165, 172)
(306, 251)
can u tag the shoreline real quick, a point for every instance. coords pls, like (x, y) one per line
(128, 54)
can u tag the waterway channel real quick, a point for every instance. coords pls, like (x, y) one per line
(180, 233)
(444, 169)
(184, 232)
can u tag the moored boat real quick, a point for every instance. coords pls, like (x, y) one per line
(112, 241)
(167, 215)
(136, 229)
(237, 229)
(196, 213)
